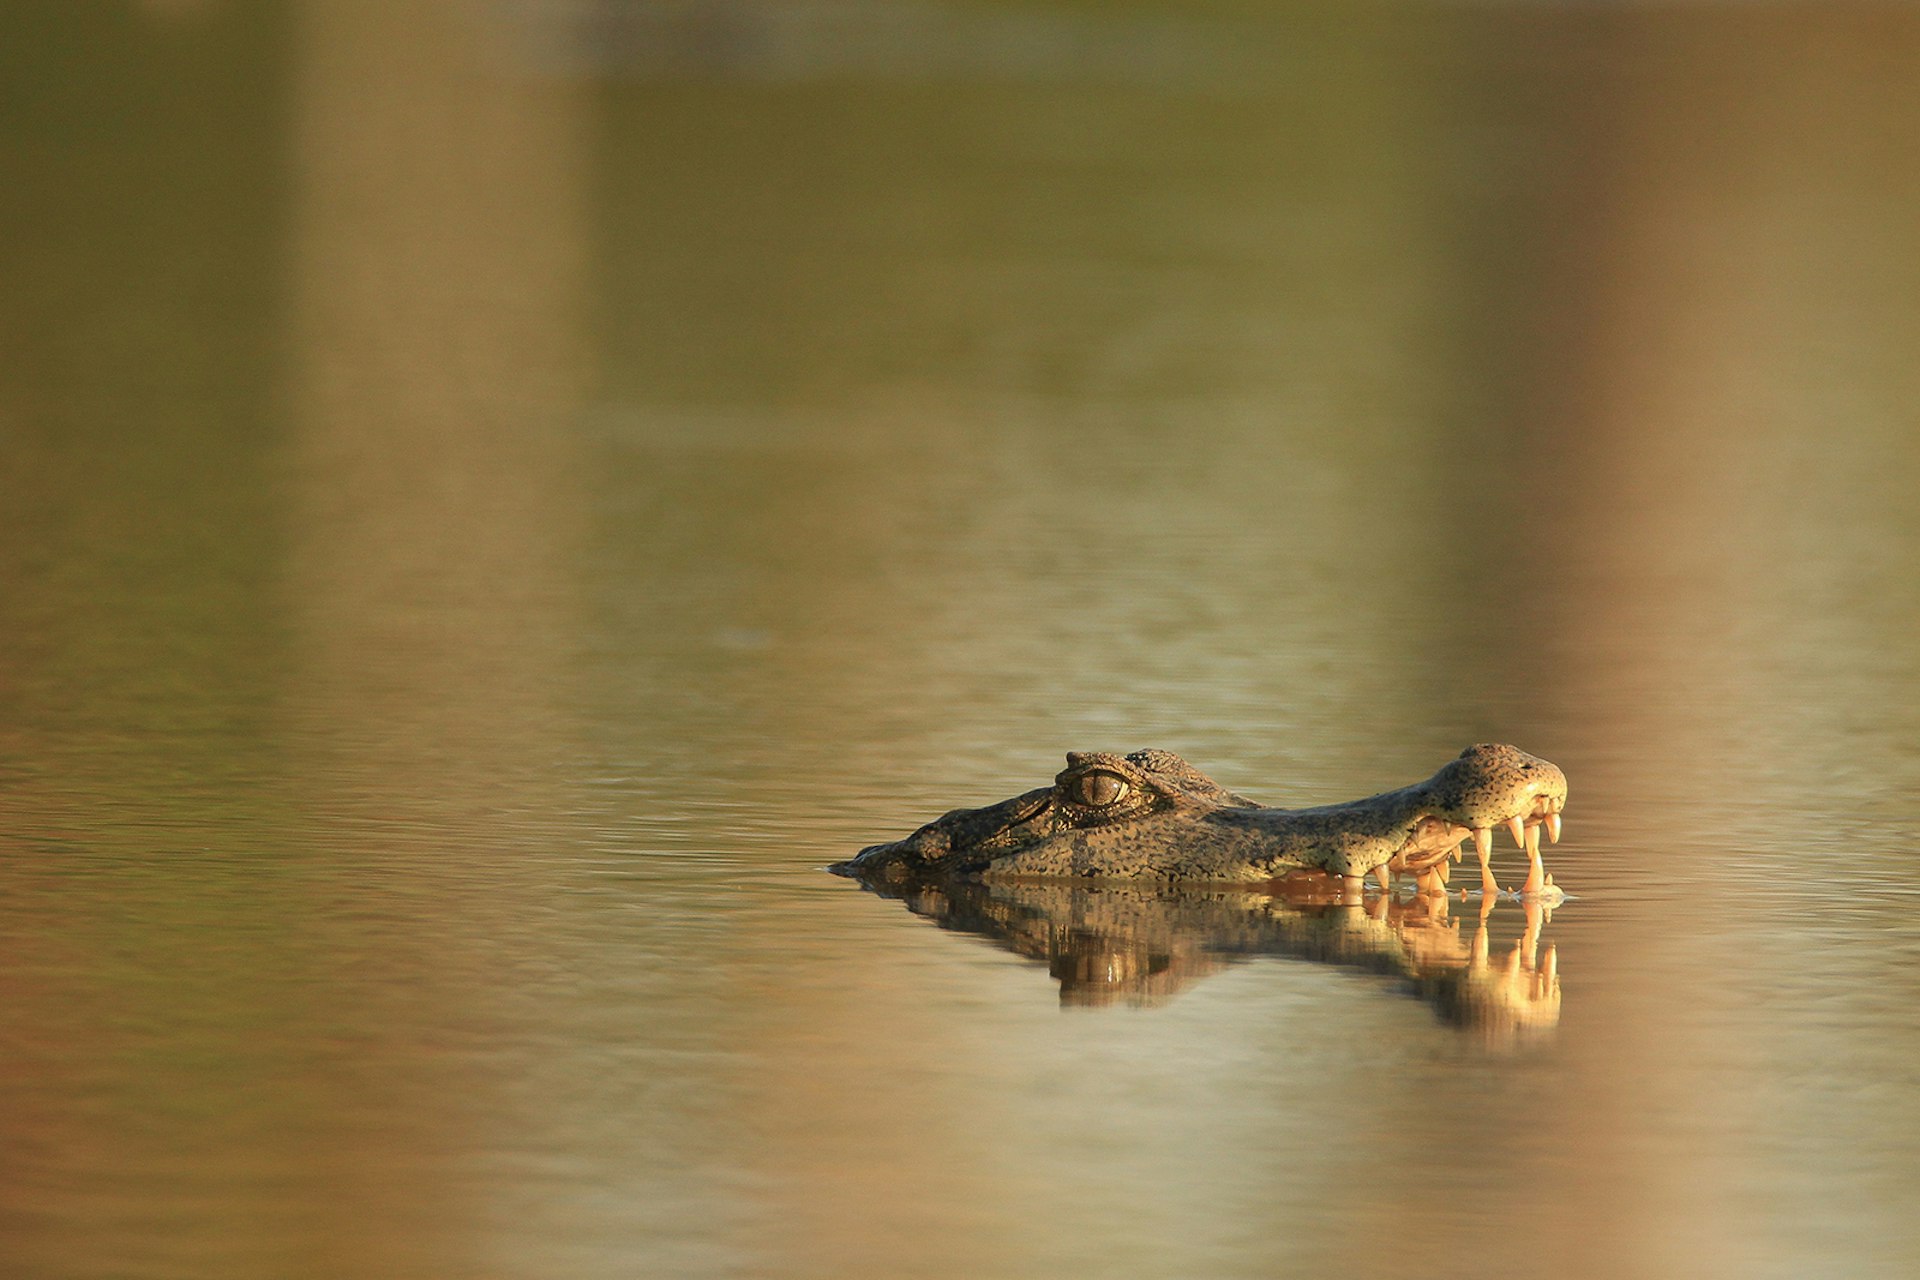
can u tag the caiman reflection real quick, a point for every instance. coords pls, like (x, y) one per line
(1109, 943)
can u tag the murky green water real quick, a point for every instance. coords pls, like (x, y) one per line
(493, 499)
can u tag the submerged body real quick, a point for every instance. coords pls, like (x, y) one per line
(1150, 815)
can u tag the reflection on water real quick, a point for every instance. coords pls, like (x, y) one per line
(494, 497)
(1111, 943)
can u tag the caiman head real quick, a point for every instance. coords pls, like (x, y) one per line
(1151, 815)
(1097, 791)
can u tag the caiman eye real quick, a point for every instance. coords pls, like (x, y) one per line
(1098, 789)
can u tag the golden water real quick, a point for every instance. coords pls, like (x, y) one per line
(493, 499)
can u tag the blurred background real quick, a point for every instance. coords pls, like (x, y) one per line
(495, 495)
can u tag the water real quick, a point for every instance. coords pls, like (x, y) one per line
(494, 498)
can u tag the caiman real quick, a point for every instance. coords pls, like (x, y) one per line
(1149, 816)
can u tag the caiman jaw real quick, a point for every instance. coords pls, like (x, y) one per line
(1525, 828)
(1434, 841)
(1489, 785)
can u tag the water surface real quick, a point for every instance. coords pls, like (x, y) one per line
(494, 498)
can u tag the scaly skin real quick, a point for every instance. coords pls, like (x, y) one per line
(1150, 816)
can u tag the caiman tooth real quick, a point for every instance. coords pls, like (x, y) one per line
(1483, 845)
(1519, 830)
(1553, 828)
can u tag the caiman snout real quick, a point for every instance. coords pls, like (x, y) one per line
(1492, 785)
